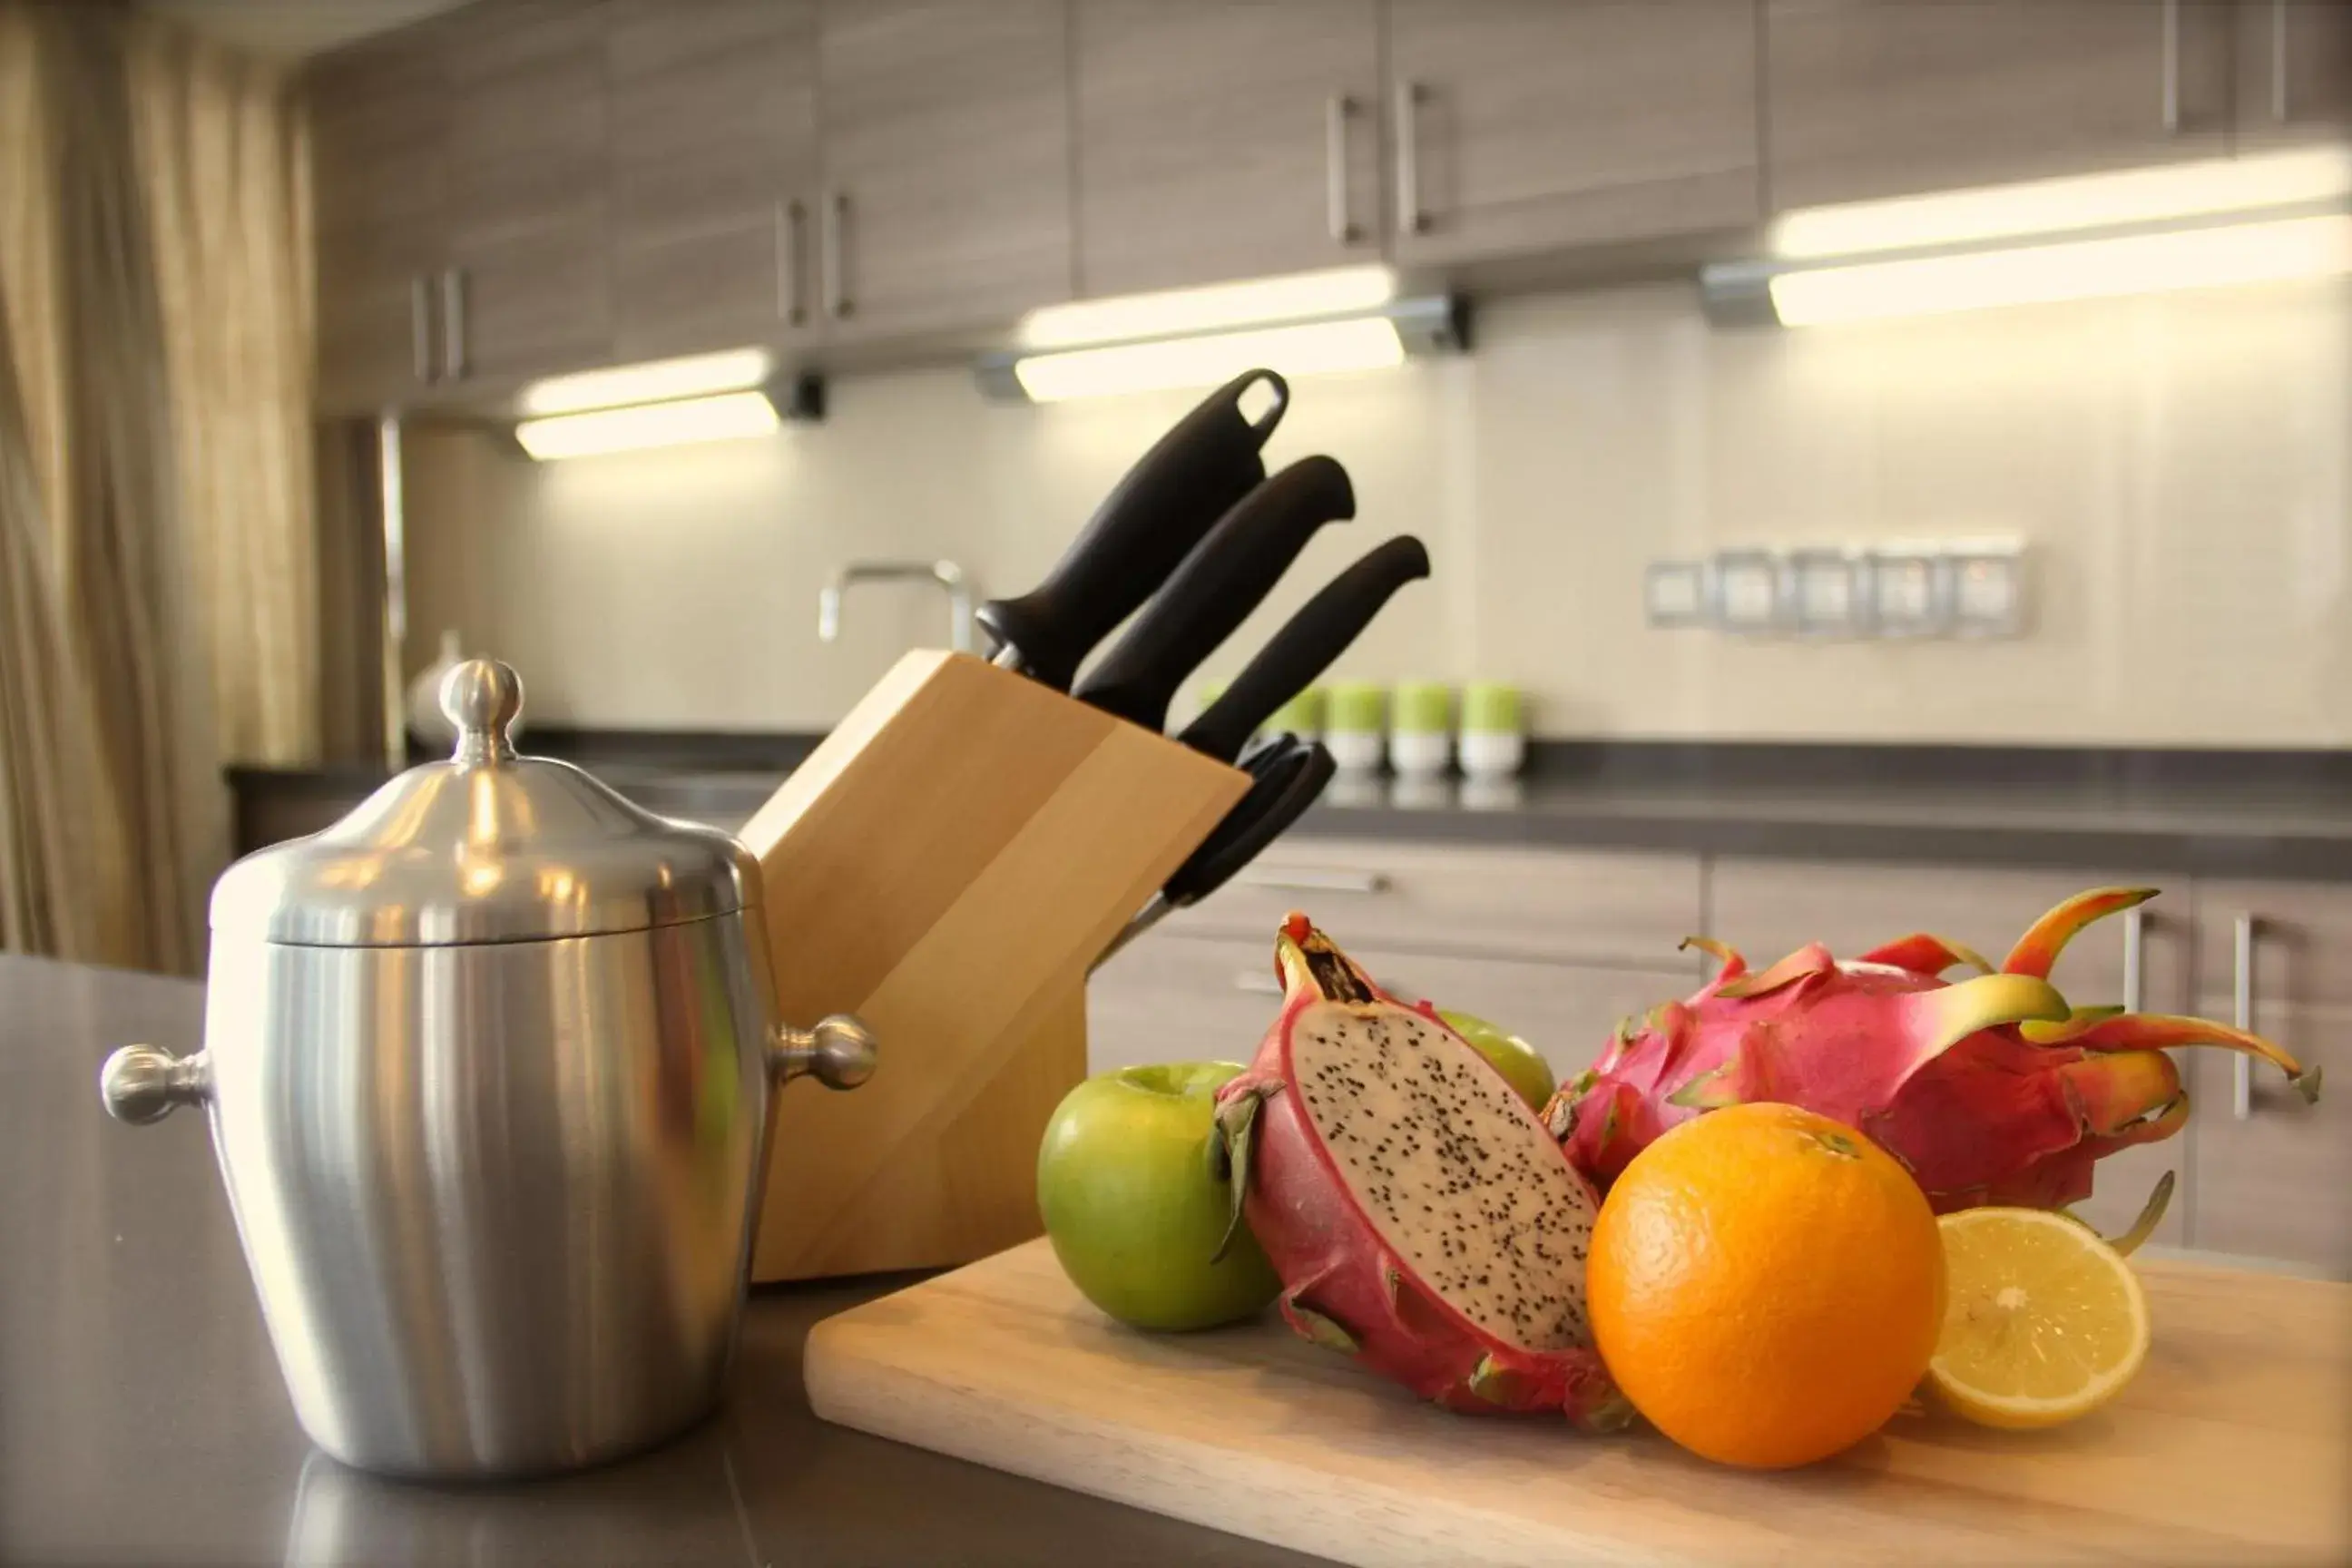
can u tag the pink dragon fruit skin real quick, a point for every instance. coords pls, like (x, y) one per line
(1990, 1091)
(1344, 1287)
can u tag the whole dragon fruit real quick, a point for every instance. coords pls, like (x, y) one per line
(1420, 1216)
(1992, 1090)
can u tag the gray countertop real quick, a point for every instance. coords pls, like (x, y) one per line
(2254, 814)
(142, 1419)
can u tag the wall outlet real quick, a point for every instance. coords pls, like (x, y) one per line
(1910, 592)
(1987, 589)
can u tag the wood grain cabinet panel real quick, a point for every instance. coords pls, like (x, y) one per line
(530, 285)
(1231, 139)
(1878, 98)
(2276, 1181)
(1521, 125)
(377, 173)
(714, 161)
(946, 199)
(1768, 908)
(2294, 72)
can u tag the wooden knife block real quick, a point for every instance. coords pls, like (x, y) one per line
(946, 865)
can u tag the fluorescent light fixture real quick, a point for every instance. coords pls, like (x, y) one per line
(726, 416)
(2076, 269)
(2075, 203)
(696, 375)
(1338, 292)
(1367, 342)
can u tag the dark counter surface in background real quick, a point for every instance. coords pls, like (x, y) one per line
(2220, 814)
(144, 1421)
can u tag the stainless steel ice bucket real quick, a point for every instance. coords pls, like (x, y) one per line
(489, 1069)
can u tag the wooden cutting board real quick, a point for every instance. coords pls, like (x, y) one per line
(2234, 1445)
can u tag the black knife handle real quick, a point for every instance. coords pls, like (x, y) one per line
(1191, 477)
(1280, 794)
(1225, 577)
(1304, 647)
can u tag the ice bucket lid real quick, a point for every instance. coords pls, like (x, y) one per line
(486, 846)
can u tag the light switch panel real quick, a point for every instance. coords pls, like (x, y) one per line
(1748, 591)
(1828, 592)
(1674, 594)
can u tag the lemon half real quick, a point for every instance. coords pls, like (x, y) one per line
(2042, 1321)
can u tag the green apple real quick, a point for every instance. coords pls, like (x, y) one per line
(1512, 1057)
(1135, 1201)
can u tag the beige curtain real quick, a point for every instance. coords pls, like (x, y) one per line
(223, 160)
(155, 564)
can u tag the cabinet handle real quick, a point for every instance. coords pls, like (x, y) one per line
(420, 326)
(1251, 983)
(791, 217)
(2241, 1014)
(837, 287)
(1411, 220)
(2171, 25)
(1336, 112)
(1312, 882)
(2278, 61)
(452, 324)
(2135, 950)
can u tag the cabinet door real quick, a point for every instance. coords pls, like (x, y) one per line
(2294, 72)
(376, 153)
(529, 289)
(2277, 1181)
(1521, 125)
(1768, 908)
(946, 138)
(714, 169)
(1877, 98)
(1233, 139)
(1175, 998)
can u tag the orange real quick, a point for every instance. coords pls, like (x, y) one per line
(1766, 1285)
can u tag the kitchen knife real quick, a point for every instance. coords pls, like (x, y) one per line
(1191, 476)
(1304, 647)
(1220, 583)
(1286, 775)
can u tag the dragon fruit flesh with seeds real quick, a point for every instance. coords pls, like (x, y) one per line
(1990, 1091)
(1420, 1216)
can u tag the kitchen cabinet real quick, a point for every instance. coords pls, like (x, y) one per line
(2294, 72)
(1229, 140)
(1180, 998)
(1520, 126)
(713, 174)
(946, 135)
(527, 288)
(2274, 1173)
(377, 169)
(1623, 908)
(1768, 908)
(1879, 98)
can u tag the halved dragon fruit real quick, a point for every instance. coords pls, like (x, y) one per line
(1420, 1218)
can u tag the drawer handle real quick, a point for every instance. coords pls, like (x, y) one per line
(2135, 949)
(2241, 1014)
(2170, 107)
(1251, 983)
(1313, 881)
(1337, 110)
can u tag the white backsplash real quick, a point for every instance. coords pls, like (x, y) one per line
(2178, 466)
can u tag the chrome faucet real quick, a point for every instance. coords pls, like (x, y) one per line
(947, 575)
